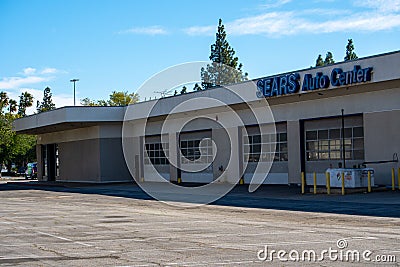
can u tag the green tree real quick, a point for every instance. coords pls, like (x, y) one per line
(13, 147)
(47, 103)
(115, 99)
(350, 54)
(175, 93)
(184, 90)
(12, 106)
(122, 98)
(225, 67)
(319, 62)
(25, 101)
(3, 100)
(329, 59)
(88, 102)
(197, 87)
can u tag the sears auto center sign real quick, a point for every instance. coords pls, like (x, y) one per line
(290, 83)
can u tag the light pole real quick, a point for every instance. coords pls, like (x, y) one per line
(74, 81)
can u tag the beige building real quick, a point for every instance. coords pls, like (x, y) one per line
(196, 139)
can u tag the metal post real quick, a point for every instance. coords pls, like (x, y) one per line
(343, 183)
(343, 145)
(369, 181)
(315, 183)
(302, 182)
(74, 81)
(328, 183)
(393, 183)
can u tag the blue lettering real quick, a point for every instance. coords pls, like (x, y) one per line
(324, 82)
(355, 73)
(306, 80)
(334, 76)
(267, 87)
(317, 80)
(283, 85)
(275, 86)
(367, 74)
(293, 83)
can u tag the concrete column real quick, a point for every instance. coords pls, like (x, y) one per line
(294, 154)
(173, 140)
(39, 158)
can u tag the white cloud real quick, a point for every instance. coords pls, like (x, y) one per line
(27, 81)
(151, 30)
(16, 82)
(49, 71)
(275, 4)
(29, 71)
(200, 30)
(28, 76)
(379, 15)
(382, 5)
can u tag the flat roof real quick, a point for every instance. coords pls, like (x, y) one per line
(386, 69)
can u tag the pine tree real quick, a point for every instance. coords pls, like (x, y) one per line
(350, 54)
(197, 87)
(47, 103)
(25, 101)
(184, 90)
(319, 62)
(225, 67)
(329, 59)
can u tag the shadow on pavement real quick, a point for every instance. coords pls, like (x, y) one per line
(279, 197)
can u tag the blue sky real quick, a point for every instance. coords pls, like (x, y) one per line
(117, 45)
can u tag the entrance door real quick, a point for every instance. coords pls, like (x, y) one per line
(50, 161)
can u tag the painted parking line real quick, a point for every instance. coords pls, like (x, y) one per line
(65, 239)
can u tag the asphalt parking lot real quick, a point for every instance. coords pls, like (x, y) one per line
(118, 225)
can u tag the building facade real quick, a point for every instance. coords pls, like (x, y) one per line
(202, 142)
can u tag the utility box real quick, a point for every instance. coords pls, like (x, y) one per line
(353, 178)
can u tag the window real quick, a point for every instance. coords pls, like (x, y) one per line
(156, 154)
(326, 144)
(196, 151)
(261, 149)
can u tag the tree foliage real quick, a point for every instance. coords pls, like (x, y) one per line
(47, 103)
(116, 98)
(197, 87)
(25, 101)
(329, 59)
(350, 54)
(184, 90)
(13, 148)
(319, 62)
(225, 67)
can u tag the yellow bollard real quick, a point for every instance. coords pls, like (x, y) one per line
(302, 182)
(241, 181)
(369, 181)
(393, 185)
(315, 183)
(343, 183)
(328, 183)
(398, 177)
(179, 180)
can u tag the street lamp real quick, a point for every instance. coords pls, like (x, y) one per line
(74, 81)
